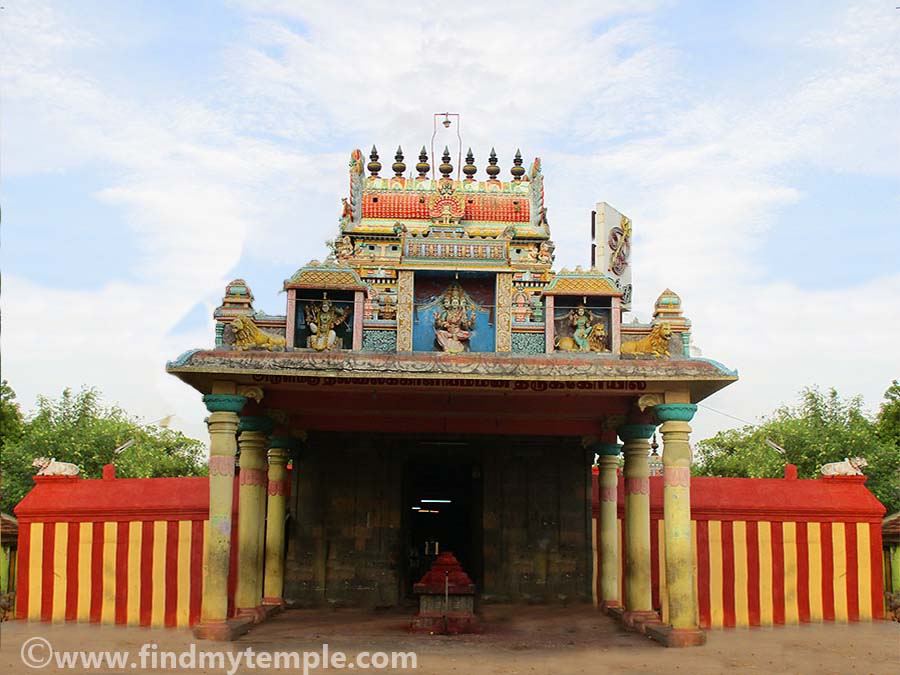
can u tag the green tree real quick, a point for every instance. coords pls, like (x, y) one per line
(889, 416)
(820, 428)
(10, 416)
(79, 428)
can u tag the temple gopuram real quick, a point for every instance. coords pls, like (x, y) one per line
(439, 420)
(438, 386)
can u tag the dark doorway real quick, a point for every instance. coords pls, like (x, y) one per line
(442, 510)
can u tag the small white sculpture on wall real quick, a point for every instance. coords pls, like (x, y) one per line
(852, 466)
(50, 467)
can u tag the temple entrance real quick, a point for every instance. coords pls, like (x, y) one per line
(442, 511)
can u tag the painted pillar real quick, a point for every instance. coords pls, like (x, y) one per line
(609, 530)
(252, 440)
(677, 513)
(274, 567)
(638, 598)
(291, 323)
(359, 300)
(549, 338)
(503, 315)
(615, 327)
(223, 424)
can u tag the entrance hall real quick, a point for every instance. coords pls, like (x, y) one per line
(372, 511)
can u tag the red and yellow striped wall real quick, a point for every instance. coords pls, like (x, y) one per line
(140, 573)
(773, 552)
(113, 551)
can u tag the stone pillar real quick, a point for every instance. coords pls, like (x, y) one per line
(223, 423)
(677, 514)
(549, 337)
(609, 529)
(638, 598)
(358, 305)
(252, 440)
(274, 566)
(291, 322)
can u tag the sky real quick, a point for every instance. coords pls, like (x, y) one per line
(151, 152)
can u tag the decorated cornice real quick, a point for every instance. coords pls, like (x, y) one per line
(433, 364)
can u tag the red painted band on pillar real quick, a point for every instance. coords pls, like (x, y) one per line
(276, 487)
(608, 494)
(252, 477)
(677, 476)
(221, 465)
(637, 486)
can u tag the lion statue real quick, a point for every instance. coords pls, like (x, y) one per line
(596, 341)
(247, 335)
(597, 338)
(655, 344)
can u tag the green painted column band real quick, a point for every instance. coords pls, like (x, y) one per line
(630, 432)
(608, 449)
(224, 402)
(286, 442)
(263, 424)
(675, 412)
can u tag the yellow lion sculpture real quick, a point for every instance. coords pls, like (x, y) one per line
(656, 343)
(247, 335)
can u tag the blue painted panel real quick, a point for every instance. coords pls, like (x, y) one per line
(482, 339)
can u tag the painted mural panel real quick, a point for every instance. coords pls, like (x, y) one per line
(454, 315)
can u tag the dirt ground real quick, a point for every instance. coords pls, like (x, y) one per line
(529, 640)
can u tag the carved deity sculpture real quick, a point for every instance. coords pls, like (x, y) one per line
(346, 212)
(588, 334)
(343, 248)
(521, 307)
(371, 304)
(388, 307)
(322, 320)
(454, 322)
(545, 252)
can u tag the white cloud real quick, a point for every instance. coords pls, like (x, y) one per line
(258, 160)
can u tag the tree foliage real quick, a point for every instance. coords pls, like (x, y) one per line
(822, 427)
(79, 428)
